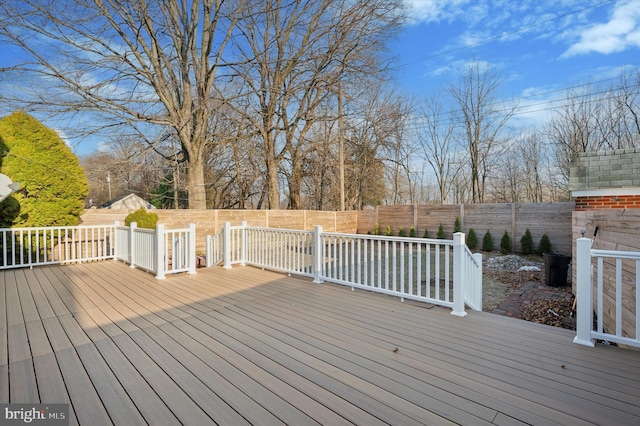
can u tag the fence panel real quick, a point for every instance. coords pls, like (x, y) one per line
(143, 254)
(28, 247)
(412, 268)
(419, 269)
(279, 249)
(616, 275)
(179, 250)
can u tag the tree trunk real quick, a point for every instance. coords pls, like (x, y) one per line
(295, 186)
(273, 188)
(195, 184)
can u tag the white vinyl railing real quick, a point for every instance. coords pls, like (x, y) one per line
(442, 272)
(159, 251)
(214, 249)
(178, 249)
(616, 275)
(28, 247)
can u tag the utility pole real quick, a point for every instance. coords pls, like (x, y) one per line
(341, 147)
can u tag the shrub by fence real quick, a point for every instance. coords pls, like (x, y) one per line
(551, 218)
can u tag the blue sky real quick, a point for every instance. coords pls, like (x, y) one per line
(540, 47)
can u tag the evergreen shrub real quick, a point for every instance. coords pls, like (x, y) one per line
(472, 239)
(487, 242)
(505, 243)
(545, 245)
(526, 243)
(142, 218)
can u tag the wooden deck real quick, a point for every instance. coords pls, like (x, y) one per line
(246, 346)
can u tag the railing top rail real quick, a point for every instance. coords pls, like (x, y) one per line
(473, 259)
(145, 230)
(618, 254)
(392, 238)
(40, 228)
(258, 228)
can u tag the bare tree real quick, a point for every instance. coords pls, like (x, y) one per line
(292, 56)
(595, 118)
(436, 136)
(483, 120)
(531, 156)
(574, 128)
(129, 62)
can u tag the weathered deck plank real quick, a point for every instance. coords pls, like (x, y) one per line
(246, 346)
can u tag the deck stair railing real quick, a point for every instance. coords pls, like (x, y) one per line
(442, 272)
(160, 251)
(616, 277)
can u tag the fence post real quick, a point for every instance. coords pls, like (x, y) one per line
(159, 243)
(114, 240)
(243, 248)
(584, 293)
(208, 253)
(132, 244)
(317, 255)
(458, 275)
(227, 245)
(192, 248)
(478, 282)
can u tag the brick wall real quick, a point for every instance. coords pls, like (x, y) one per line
(599, 202)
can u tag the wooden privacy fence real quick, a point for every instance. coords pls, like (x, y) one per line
(551, 218)
(554, 219)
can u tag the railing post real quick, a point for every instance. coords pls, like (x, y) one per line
(208, 253)
(114, 240)
(227, 245)
(192, 248)
(159, 247)
(317, 254)
(132, 244)
(458, 274)
(243, 248)
(478, 281)
(584, 293)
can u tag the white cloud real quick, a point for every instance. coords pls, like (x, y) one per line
(63, 135)
(435, 10)
(620, 33)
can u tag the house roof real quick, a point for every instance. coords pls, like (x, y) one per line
(127, 201)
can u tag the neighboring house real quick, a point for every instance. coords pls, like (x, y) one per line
(129, 201)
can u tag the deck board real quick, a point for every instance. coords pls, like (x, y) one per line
(246, 346)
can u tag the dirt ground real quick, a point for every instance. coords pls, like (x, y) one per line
(503, 275)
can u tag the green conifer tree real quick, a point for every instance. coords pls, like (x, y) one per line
(505, 243)
(487, 242)
(472, 239)
(53, 184)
